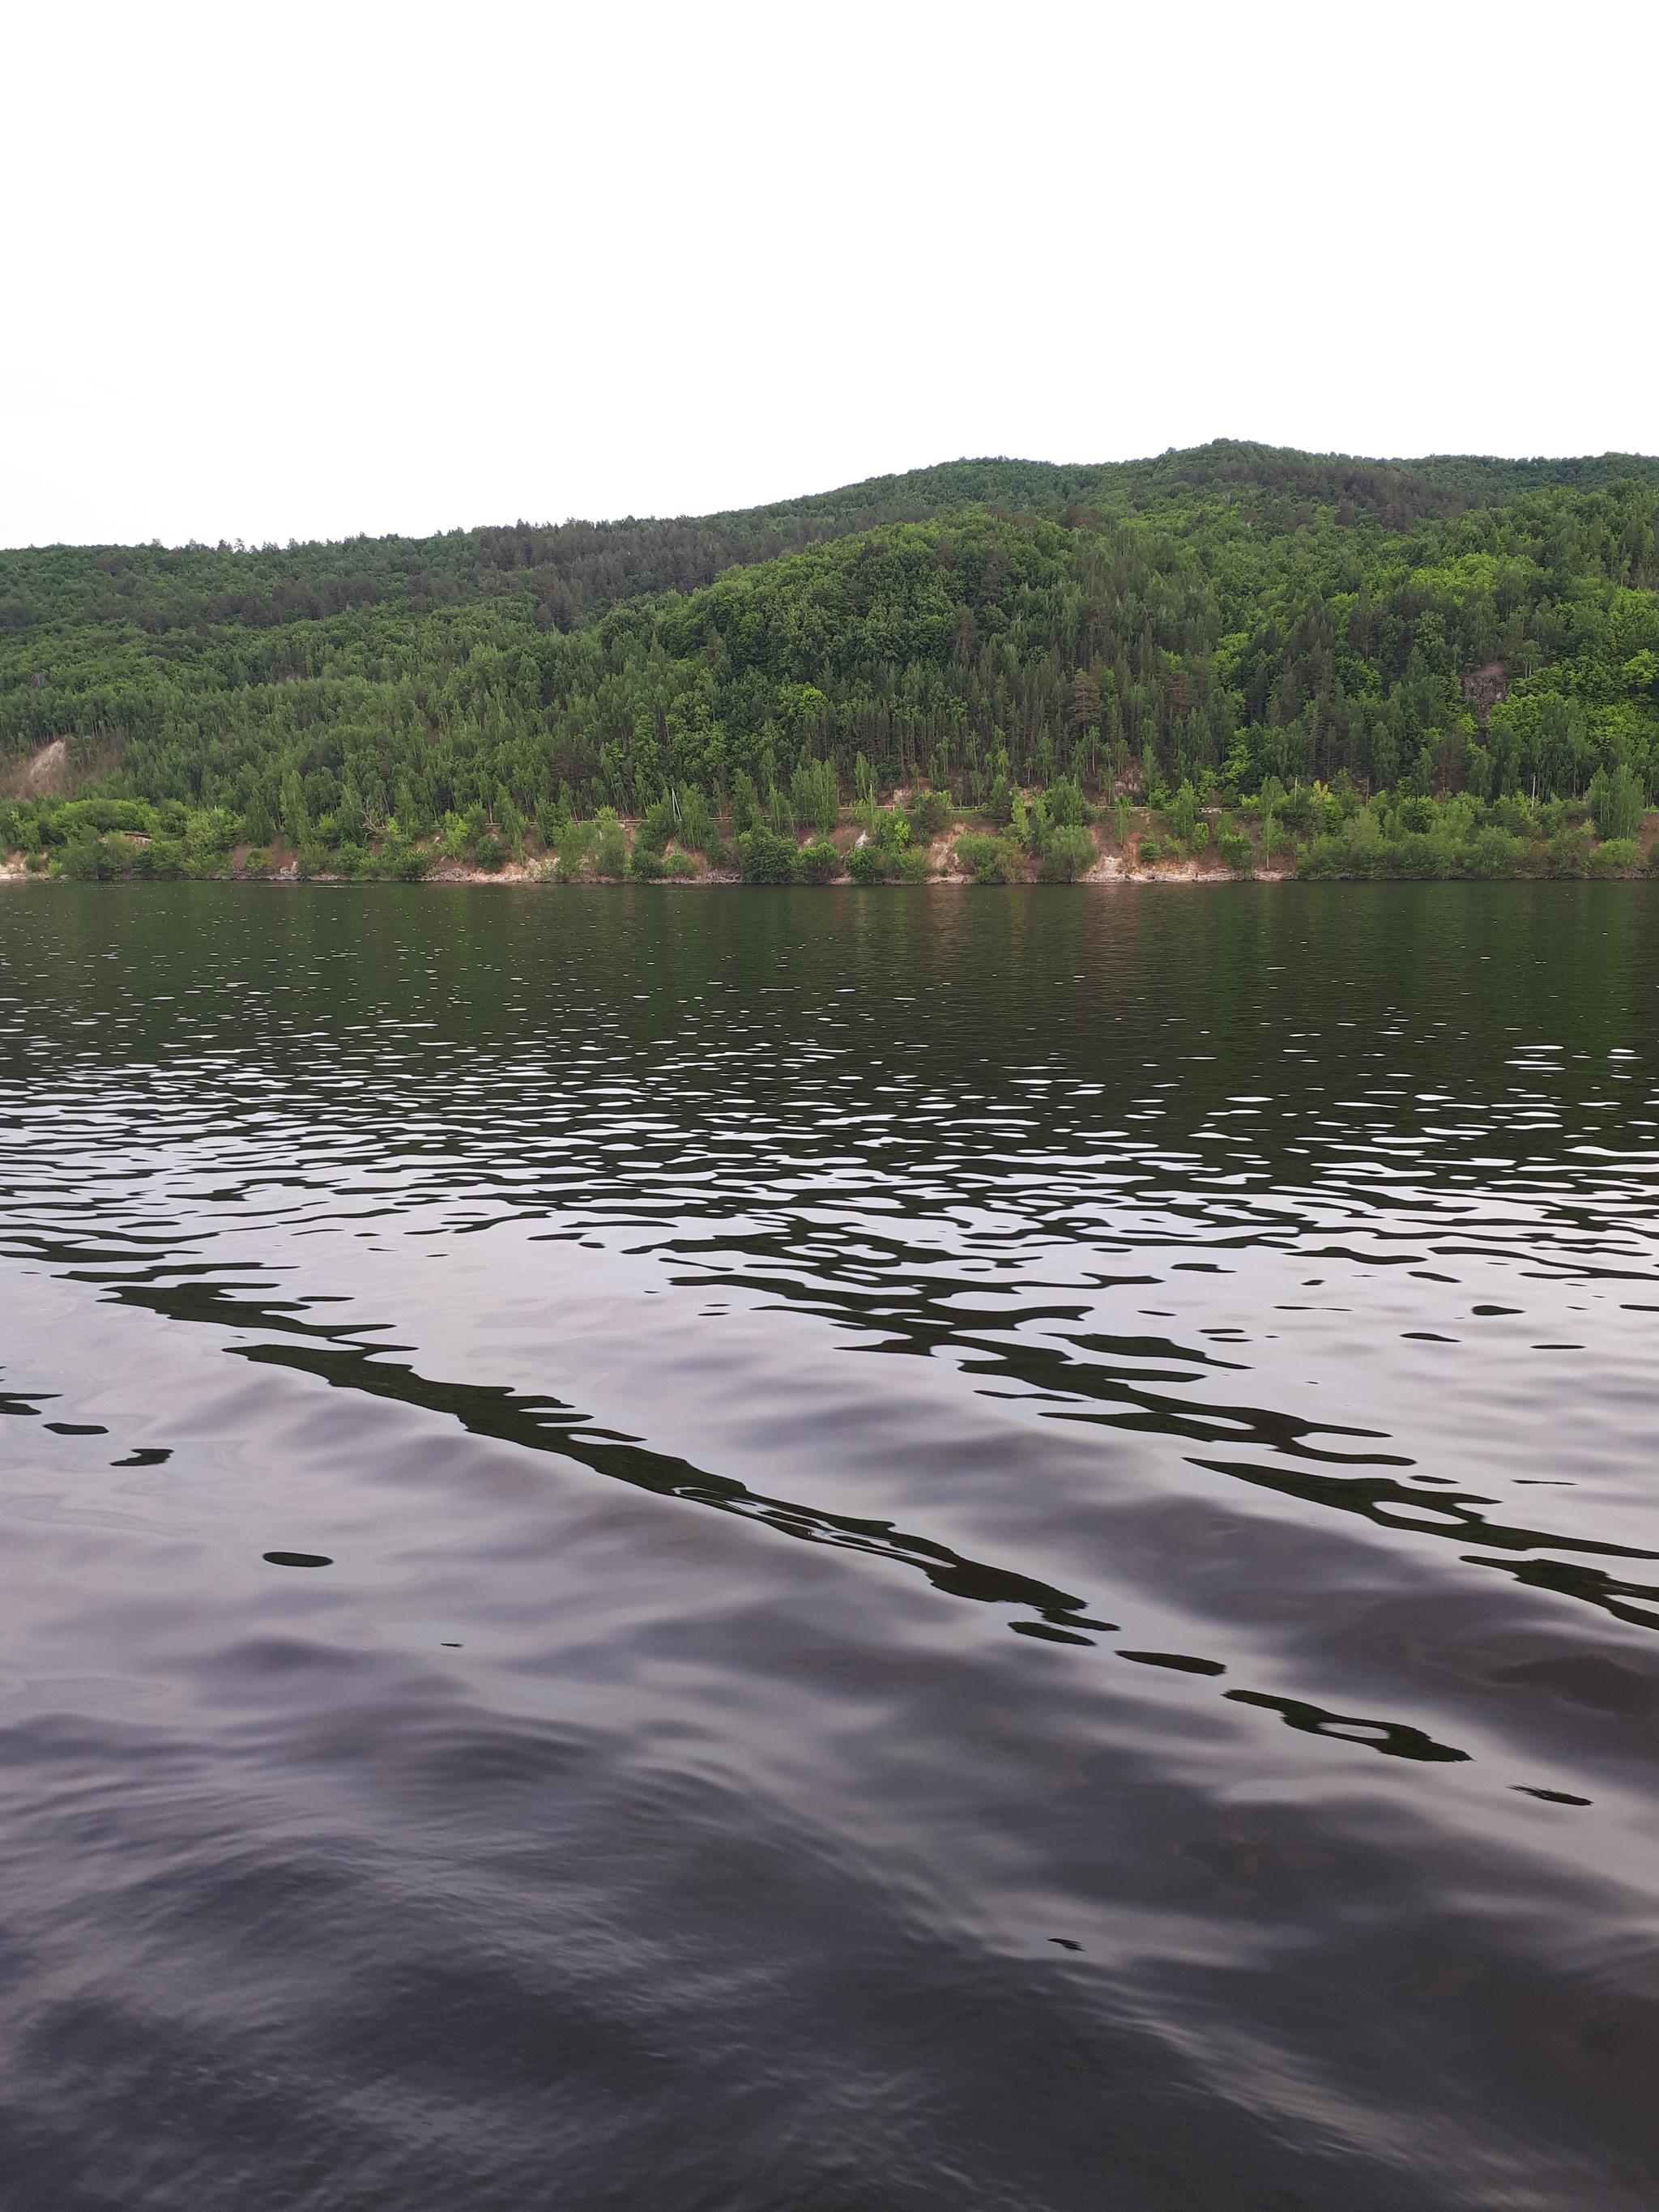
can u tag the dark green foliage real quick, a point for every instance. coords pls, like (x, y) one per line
(1067, 852)
(1229, 622)
(820, 863)
(489, 853)
(767, 858)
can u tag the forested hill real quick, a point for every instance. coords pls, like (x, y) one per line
(1233, 617)
(573, 568)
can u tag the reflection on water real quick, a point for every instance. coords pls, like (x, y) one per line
(918, 1586)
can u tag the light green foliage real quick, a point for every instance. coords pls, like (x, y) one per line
(696, 830)
(1616, 800)
(576, 844)
(610, 854)
(815, 794)
(1235, 851)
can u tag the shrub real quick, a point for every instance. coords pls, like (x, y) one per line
(1012, 863)
(35, 863)
(1235, 851)
(489, 853)
(656, 828)
(401, 863)
(930, 812)
(1492, 854)
(680, 865)
(1181, 812)
(866, 863)
(1071, 854)
(88, 861)
(696, 823)
(820, 863)
(1065, 806)
(645, 865)
(611, 858)
(574, 841)
(1569, 852)
(767, 858)
(912, 865)
(976, 856)
(1617, 802)
(1318, 863)
(256, 861)
(1149, 852)
(1613, 858)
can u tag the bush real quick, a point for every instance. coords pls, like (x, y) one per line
(490, 854)
(1181, 812)
(1235, 851)
(1492, 854)
(1617, 802)
(1071, 853)
(680, 865)
(162, 857)
(767, 858)
(611, 858)
(255, 862)
(929, 814)
(820, 863)
(1613, 858)
(656, 828)
(399, 863)
(1325, 858)
(574, 840)
(88, 861)
(1065, 806)
(696, 823)
(976, 856)
(1569, 852)
(866, 863)
(646, 864)
(912, 865)
(1149, 852)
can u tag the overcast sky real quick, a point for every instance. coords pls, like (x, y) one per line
(308, 270)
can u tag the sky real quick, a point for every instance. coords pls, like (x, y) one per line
(314, 270)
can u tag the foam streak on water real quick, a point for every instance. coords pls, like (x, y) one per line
(994, 1551)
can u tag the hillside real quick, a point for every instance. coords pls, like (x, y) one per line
(1237, 619)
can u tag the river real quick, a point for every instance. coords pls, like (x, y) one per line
(801, 1551)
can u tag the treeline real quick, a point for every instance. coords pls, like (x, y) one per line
(1231, 619)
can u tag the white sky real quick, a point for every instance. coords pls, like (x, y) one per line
(310, 270)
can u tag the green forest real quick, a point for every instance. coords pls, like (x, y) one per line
(1235, 657)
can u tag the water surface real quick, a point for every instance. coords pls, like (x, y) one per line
(752, 1551)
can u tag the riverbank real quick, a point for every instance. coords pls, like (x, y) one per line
(1047, 836)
